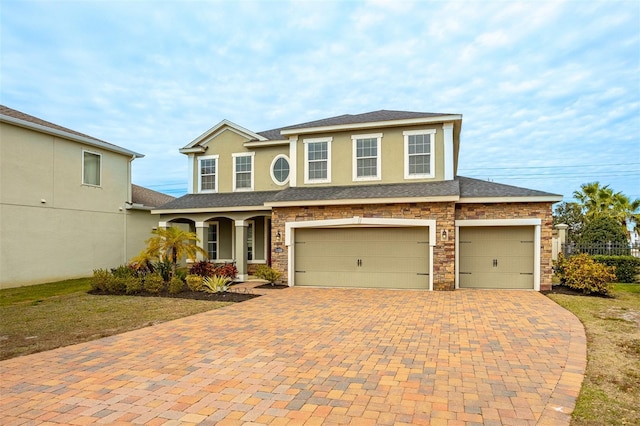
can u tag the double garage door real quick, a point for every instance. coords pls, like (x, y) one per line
(362, 257)
(385, 257)
(496, 257)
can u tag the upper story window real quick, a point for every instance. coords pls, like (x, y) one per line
(91, 168)
(419, 154)
(243, 171)
(208, 173)
(317, 164)
(280, 169)
(366, 156)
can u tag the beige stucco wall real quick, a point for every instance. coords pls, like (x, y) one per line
(227, 143)
(77, 228)
(392, 155)
(140, 223)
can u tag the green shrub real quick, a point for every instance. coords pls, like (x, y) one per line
(267, 273)
(133, 285)
(627, 267)
(153, 283)
(99, 279)
(182, 274)
(116, 285)
(559, 266)
(194, 282)
(176, 285)
(163, 268)
(215, 284)
(583, 273)
(123, 271)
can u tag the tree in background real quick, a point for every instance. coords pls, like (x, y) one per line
(600, 201)
(570, 214)
(173, 243)
(602, 230)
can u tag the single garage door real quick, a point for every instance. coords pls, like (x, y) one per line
(496, 257)
(362, 257)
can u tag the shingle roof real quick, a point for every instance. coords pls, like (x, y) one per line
(357, 192)
(368, 117)
(272, 135)
(227, 199)
(18, 115)
(476, 188)
(461, 186)
(148, 197)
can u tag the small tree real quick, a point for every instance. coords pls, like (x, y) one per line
(602, 230)
(173, 244)
(570, 214)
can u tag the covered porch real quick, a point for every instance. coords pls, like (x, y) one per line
(242, 238)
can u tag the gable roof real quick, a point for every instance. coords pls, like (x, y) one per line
(148, 197)
(18, 118)
(476, 190)
(196, 145)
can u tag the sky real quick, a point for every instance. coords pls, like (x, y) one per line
(549, 91)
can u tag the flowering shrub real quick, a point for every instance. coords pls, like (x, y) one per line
(203, 268)
(228, 270)
(581, 272)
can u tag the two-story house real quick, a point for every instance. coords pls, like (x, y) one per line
(66, 202)
(366, 200)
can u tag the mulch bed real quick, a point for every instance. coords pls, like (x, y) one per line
(563, 289)
(275, 286)
(228, 296)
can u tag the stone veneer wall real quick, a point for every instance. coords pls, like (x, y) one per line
(443, 213)
(518, 211)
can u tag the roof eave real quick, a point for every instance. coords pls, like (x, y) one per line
(373, 124)
(523, 199)
(348, 201)
(210, 209)
(55, 132)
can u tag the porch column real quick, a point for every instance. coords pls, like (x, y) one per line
(241, 249)
(202, 232)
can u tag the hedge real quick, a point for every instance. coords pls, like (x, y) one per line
(627, 267)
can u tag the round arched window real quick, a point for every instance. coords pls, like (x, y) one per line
(280, 169)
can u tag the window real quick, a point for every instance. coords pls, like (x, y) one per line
(366, 156)
(212, 241)
(317, 165)
(419, 154)
(208, 173)
(243, 172)
(250, 240)
(91, 168)
(280, 170)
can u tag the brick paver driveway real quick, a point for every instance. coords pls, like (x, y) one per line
(318, 356)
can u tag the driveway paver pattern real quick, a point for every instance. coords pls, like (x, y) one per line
(318, 356)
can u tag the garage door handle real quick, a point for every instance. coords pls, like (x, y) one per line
(422, 273)
(526, 273)
(495, 263)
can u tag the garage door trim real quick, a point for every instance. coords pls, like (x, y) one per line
(535, 222)
(356, 221)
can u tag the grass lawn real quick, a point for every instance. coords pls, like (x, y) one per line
(47, 316)
(610, 393)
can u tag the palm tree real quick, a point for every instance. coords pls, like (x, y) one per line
(174, 243)
(598, 201)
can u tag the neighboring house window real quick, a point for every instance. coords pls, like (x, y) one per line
(250, 240)
(91, 168)
(208, 173)
(243, 172)
(212, 241)
(317, 165)
(280, 169)
(419, 154)
(366, 156)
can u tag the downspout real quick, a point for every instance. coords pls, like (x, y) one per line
(127, 205)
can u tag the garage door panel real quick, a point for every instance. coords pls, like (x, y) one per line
(362, 257)
(496, 257)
